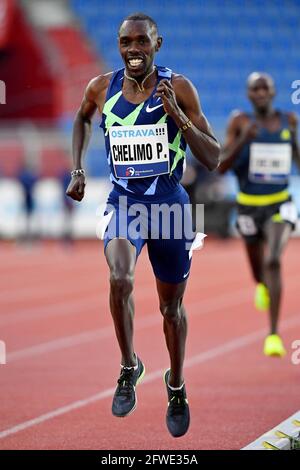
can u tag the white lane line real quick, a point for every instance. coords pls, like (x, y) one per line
(98, 300)
(203, 307)
(34, 293)
(66, 307)
(210, 305)
(48, 290)
(42, 258)
(57, 308)
(230, 346)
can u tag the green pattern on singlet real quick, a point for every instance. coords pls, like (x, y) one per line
(130, 120)
(175, 146)
(112, 118)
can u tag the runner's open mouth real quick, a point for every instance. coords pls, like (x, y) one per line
(135, 63)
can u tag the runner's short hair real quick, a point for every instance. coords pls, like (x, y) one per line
(140, 17)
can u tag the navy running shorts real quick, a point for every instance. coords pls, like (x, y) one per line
(251, 220)
(163, 223)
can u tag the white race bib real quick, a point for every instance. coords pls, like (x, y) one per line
(139, 151)
(246, 225)
(270, 163)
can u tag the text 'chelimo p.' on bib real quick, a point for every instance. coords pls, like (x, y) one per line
(139, 151)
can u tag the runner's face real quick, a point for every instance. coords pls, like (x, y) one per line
(138, 43)
(261, 93)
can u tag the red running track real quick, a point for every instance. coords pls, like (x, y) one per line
(63, 360)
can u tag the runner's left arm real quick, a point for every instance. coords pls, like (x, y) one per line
(181, 102)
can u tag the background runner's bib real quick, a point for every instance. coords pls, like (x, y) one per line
(139, 151)
(270, 163)
(252, 178)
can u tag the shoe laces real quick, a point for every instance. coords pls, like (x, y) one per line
(125, 381)
(177, 401)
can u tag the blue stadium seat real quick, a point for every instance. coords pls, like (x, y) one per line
(216, 44)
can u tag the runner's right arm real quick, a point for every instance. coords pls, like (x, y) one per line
(240, 129)
(94, 97)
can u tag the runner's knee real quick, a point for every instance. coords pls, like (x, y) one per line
(272, 262)
(171, 310)
(121, 283)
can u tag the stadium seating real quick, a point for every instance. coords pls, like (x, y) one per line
(216, 44)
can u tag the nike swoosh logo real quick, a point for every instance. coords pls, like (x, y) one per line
(149, 110)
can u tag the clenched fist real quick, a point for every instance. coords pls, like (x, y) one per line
(76, 187)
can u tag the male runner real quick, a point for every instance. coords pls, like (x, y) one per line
(148, 101)
(259, 148)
